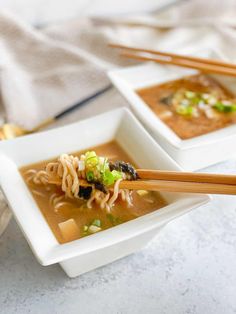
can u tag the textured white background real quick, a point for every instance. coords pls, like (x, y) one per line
(45, 11)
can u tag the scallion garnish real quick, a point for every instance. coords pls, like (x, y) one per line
(96, 222)
(189, 103)
(90, 176)
(108, 178)
(116, 175)
(114, 220)
(219, 106)
(94, 227)
(189, 94)
(184, 110)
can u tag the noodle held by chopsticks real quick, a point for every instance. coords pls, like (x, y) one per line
(87, 177)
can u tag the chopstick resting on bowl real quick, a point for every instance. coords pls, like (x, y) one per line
(185, 182)
(202, 64)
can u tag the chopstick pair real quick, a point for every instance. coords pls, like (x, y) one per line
(202, 64)
(173, 181)
(185, 182)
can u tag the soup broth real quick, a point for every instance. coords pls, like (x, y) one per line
(212, 106)
(68, 218)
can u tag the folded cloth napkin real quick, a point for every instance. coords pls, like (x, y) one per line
(40, 77)
(45, 71)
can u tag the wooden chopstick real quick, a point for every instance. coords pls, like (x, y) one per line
(206, 68)
(186, 176)
(179, 186)
(176, 56)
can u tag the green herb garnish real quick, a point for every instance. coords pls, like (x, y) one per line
(187, 103)
(189, 94)
(97, 169)
(90, 176)
(219, 106)
(94, 227)
(116, 175)
(91, 159)
(184, 110)
(85, 230)
(114, 220)
(108, 178)
(96, 222)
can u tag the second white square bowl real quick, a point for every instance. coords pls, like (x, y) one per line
(191, 154)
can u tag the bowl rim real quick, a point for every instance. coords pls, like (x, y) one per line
(46, 249)
(156, 125)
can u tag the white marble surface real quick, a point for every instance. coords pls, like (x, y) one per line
(189, 268)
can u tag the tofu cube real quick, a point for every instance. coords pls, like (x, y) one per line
(69, 230)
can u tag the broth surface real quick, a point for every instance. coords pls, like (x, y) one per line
(187, 127)
(76, 209)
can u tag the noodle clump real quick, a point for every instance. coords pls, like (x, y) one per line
(87, 177)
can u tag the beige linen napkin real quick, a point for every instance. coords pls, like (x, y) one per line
(40, 76)
(45, 71)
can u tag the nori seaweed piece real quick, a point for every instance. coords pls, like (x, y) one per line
(101, 187)
(124, 167)
(167, 100)
(85, 192)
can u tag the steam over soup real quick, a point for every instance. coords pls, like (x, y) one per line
(191, 106)
(79, 194)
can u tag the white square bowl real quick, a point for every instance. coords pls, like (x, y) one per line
(88, 253)
(190, 154)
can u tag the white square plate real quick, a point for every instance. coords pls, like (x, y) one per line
(190, 154)
(84, 254)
